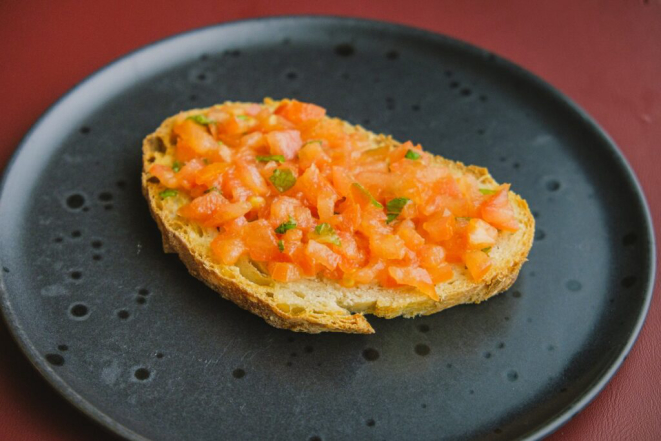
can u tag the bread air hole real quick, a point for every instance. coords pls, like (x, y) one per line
(250, 271)
(157, 144)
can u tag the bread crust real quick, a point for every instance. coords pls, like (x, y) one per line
(262, 298)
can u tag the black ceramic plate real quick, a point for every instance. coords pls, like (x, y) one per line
(126, 335)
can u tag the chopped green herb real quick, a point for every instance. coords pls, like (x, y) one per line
(167, 193)
(243, 117)
(177, 166)
(394, 207)
(281, 245)
(412, 155)
(286, 226)
(209, 190)
(487, 191)
(276, 158)
(205, 160)
(486, 250)
(463, 218)
(326, 234)
(364, 191)
(282, 179)
(201, 120)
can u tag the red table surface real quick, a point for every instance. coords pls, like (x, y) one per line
(605, 55)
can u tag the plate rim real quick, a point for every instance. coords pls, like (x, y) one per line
(541, 431)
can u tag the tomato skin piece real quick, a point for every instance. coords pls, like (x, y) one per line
(480, 234)
(227, 249)
(498, 211)
(284, 142)
(478, 264)
(284, 271)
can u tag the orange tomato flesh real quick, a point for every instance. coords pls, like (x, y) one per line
(289, 187)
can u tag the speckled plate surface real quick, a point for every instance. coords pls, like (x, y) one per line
(126, 335)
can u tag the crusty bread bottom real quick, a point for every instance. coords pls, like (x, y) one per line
(318, 305)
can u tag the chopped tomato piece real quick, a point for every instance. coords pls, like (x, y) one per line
(298, 112)
(498, 211)
(387, 246)
(481, 234)
(261, 241)
(370, 272)
(321, 254)
(441, 273)
(416, 277)
(478, 264)
(211, 175)
(194, 137)
(312, 153)
(227, 249)
(441, 226)
(228, 212)
(431, 256)
(284, 271)
(202, 208)
(250, 177)
(406, 230)
(165, 175)
(284, 142)
(187, 173)
(326, 205)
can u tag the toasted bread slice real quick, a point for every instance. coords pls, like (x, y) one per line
(318, 305)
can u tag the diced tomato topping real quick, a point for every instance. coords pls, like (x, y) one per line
(416, 277)
(413, 240)
(440, 226)
(498, 211)
(284, 271)
(481, 234)
(298, 112)
(261, 241)
(387, 247)
(478, 263)
(165, 175)
(227, 249)
(285, 142)
(322, 254)
(203, 208)
(307, 197)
